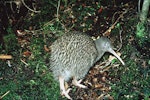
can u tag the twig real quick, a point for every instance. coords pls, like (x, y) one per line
(113, 17)
(2, 56)
(24, 62)
(18, 3)
(58, 10)
(120, 31)
(4, 94)
(139, 5)
(113, 25)
(29, 8)
(10, 5)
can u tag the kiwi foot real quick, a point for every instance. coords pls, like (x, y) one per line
(78, 83)
(62, 88)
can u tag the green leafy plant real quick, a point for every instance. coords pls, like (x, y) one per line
(141, 34)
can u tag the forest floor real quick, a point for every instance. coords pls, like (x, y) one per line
(26, 75)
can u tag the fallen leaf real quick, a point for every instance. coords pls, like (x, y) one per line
(27, 53)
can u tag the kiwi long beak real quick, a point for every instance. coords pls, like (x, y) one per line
(115, 54)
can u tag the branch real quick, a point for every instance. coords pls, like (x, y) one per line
(29, 8)
(113, 25)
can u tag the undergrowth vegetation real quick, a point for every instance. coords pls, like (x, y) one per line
(31, 80)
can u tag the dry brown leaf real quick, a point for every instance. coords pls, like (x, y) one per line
(27, 53)
(98, 85)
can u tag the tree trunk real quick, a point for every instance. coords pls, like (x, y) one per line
(145, 9)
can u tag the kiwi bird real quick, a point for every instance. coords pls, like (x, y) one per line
(73, 54)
